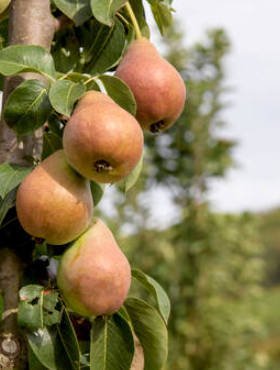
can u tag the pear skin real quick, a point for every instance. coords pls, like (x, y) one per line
(102, 141)
(94, 275)
(54, 202)
(89, 98)
(4, 5)
(159, 90)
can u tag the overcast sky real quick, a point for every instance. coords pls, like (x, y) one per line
(254, 116)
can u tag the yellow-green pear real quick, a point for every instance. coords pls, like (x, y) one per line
(94, 275)
(101, 140)
(159, 90)
(54, 202)
(3, 5)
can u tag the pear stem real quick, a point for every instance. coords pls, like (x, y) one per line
(133, 20)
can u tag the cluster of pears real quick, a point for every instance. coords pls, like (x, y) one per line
(101, 142)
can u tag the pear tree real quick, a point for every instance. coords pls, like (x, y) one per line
(82, 88)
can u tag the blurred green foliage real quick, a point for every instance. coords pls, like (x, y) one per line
(211, 264)
(208, 280)
(270, 236)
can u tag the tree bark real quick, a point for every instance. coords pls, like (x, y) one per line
(12, 346)
(30, 22)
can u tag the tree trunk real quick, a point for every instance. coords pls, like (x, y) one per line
(30, 22)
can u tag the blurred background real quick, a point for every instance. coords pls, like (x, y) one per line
(204, 218)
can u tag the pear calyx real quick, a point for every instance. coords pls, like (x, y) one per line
(102, 166)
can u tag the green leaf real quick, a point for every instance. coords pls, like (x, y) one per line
(97, 191)
(7, 203)
(4, 27)
(40, 249)
(51, 314)
(123, 312)
(88, 81)
(30, 309)
(131, 179)
(30, 292)
(162, 12)
(69, 339)
(52, 137)
(33, 362)
(104, 11)
(119, 92)
(92, 85)
(27, 107)
(158, 292)
(47, 347)
(66, 51)
(112, 344)
(106, 48)
(10, 177)
(151, 331)
(26, 58)
(63, 94)
(75, 77)
(55, 125)
(30, 316)
(37, 307)
(77, 10)
(51, 142)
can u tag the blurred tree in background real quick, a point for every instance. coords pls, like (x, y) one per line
(211, 265)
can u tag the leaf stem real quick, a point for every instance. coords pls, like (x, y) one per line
(90, 79)
(133, 20)
(122, 18)
(47, 76)
(8, 222)
(65, 75)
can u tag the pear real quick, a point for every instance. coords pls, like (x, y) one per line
(102, 141)
(4, 5)
(159, 90)
(54, 202)
(94, 275)
(90, 97)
